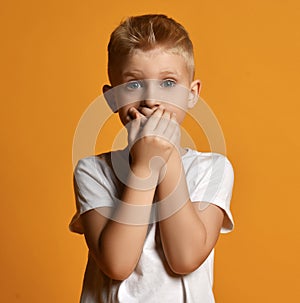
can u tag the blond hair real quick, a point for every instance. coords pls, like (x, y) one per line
(147, 32)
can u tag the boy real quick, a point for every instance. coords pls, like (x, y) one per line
(151, 214)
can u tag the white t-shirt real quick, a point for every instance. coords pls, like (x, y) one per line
(209, 178)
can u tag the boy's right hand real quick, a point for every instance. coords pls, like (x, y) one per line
(151, 140)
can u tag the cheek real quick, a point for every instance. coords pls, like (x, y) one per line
(123, 114)
(180, 118)
(180, 112)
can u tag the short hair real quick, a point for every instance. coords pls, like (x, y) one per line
(147, 32)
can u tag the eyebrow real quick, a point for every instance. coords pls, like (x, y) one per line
(137, 73)
(131, 73)
(170, 73)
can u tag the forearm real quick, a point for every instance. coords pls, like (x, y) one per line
(122, 238)
(183, 234)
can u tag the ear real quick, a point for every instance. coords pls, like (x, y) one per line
(195, 88)
(109, 97)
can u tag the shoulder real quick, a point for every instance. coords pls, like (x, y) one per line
(207, 162)
(91, 165)
(210, 177)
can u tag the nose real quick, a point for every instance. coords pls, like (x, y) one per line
(150, 96)
(150, 103)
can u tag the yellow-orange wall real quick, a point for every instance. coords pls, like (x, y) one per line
(53, 64)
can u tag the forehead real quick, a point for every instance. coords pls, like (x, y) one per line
(153, 64)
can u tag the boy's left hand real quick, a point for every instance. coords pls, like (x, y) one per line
(155, 135)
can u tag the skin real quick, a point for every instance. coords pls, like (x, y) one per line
(187, 236)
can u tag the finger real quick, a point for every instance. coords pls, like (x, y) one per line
(163, 123)
(146, 111)
(133, 113)
(133, 128)
(171, 125)
(153, 120)
(136, 114)
(176, 134)
(131, 116)
(143, 121)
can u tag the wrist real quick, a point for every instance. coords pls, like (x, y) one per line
(142, 177)
(145, 167)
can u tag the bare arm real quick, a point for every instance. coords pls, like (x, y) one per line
(116, 244)
(189, 235)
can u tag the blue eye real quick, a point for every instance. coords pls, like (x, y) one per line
(134, 85)
(168, 83)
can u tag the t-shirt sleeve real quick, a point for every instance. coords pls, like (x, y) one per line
(92, 189)
(216, 186)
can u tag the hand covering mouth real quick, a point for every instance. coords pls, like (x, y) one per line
(146, 111)
(142, 112)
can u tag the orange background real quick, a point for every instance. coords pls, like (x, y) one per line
(53, 64)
